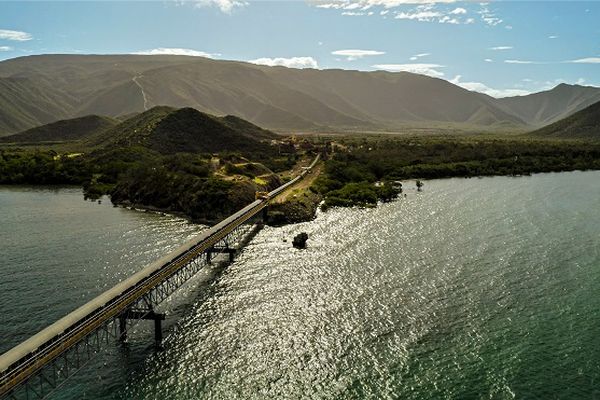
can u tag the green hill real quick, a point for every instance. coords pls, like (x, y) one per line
(168, 131)
(64, 130)
(583, 124)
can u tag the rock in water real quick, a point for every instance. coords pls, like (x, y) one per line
(300, 240)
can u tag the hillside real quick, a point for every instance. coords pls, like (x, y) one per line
(51, 87)
(25, 103)
(583, 124)
(64, 130)
(168, 130)
(544, 108)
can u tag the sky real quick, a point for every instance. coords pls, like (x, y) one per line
(502, 48)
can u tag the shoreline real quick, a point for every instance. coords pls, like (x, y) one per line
(316, 201)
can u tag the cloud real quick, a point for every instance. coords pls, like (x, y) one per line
(5, 48)
(176, 51)
(17, 36)
(226, 6)
(447, 20)
(424, 10)
(417, 56)
(423, 69)
(487, 16)
(589, 60)
(356, 54)
(552, 37)
(488, 60)
(497, 48)
(458, 10)
(483, 88)
(292, 62)
(366, 4)
(519, 62)
(422, 16)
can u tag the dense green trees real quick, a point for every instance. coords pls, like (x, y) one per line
(350, 176)
(44, 168)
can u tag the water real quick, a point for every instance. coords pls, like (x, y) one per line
(472, 289)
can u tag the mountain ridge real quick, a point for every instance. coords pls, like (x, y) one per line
(278, 98)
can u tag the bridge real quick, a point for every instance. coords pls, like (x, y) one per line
(42, 363)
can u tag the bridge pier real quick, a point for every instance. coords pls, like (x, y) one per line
(264, 215)
(144, 315)
(226, 250)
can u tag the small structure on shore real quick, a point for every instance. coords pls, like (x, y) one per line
(299, 241)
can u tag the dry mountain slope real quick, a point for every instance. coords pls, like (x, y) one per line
(278, 98)
(543, 108)
(583, 124)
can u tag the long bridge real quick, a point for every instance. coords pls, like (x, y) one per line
(38, 366)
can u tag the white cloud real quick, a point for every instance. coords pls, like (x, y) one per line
(483, 88)
(355, 54)
(292, 62)
(552, 37)
(424, 10)
(366, 4)
(17, 36)
(417, 56)
(176, 51)
(5, 48)
(423, 69)
(589, 60)
(422, 16)
(226, 6)
(458, 10)
(447, 20)
(518, 62)
(488, 16)
(488, 60)
(497, 48)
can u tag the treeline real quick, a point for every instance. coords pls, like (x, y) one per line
(350, 173)
(186, 183)
(41, 168)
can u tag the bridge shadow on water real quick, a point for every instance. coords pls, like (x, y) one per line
(127, 362)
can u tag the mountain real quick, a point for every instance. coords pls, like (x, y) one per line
(163, 129)
(284, 99)
(546, 107)
(25, 103)
(168, 131)
(64, 130)
(582, 124)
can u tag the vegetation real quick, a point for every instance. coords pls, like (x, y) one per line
(350, 175)
(180, 161)
(207, 167)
